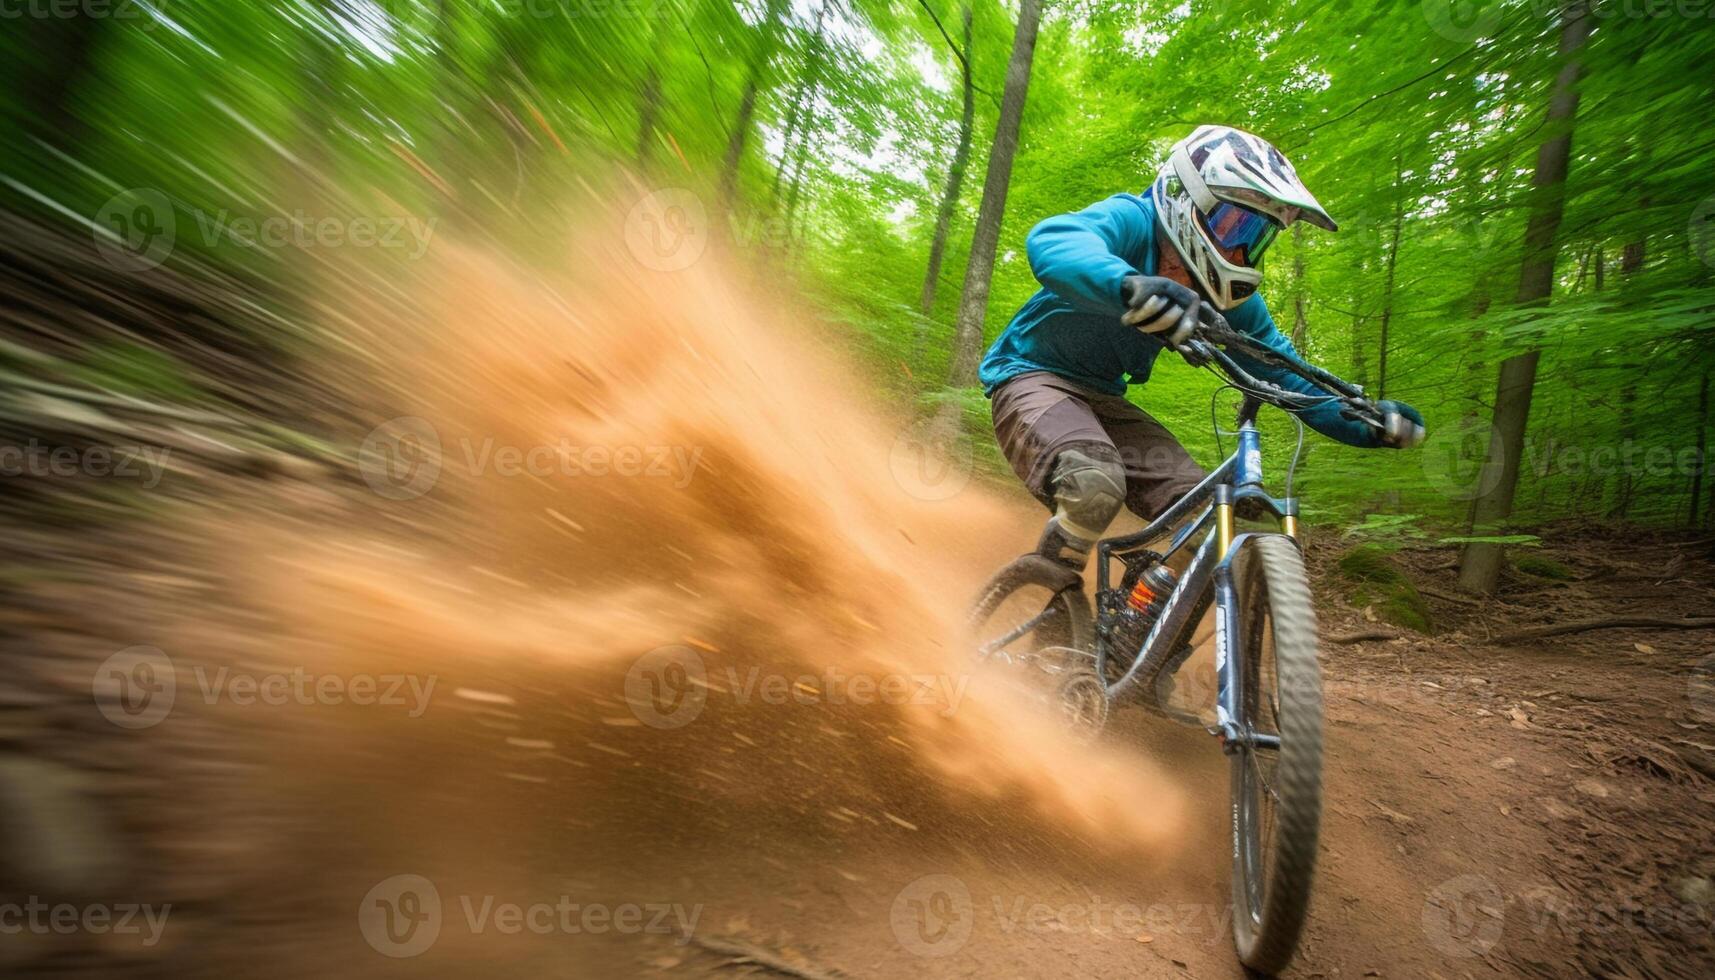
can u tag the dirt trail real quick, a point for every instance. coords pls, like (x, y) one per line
(652, 723)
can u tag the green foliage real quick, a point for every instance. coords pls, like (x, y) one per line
(1389, 528)
(489, 112)
(130, 369)
(1512, 540)
(1542, 566)
(1379, 584)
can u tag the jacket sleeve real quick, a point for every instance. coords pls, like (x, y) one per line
(1251, 318)
(1077, 255)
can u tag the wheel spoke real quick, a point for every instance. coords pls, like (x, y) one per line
(1048, 614)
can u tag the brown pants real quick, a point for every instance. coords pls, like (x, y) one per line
(1039, 415)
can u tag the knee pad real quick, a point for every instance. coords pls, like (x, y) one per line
(1089, 490)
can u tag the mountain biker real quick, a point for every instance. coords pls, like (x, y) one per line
(1122, 280)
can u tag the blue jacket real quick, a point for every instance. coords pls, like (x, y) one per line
(1071, 327)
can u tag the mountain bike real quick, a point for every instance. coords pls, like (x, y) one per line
(1267, 712)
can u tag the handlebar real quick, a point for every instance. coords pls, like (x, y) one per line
(1213, 335)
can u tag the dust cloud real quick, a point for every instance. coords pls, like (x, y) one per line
(647, 536)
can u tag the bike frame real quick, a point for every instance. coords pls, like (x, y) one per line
(1208, 576)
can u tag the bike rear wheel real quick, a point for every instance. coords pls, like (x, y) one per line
(1030, 606)
(1034, 615)
(1276, 785)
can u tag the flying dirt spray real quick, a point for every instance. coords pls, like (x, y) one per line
(648, 534)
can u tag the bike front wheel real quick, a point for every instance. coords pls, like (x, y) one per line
(1277, 769)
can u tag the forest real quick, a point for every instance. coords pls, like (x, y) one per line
(1522, 191)
(245, 233)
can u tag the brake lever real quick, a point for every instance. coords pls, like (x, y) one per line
(1196, 352)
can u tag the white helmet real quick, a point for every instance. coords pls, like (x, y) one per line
(1222, 188)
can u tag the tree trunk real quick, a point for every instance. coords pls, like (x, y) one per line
(1300, 299)
(979, 269)
(1631, 260)
(648, 111)
(1480, 566)
(955, 176)
(740, 137)
(65, 48)
(799, 163)
(1702, 448)
(808, 83)
(1387, 288)
(1360, 358)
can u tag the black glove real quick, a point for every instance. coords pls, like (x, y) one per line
(1158, 305)
(1402, 425)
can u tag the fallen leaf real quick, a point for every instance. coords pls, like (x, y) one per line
(1643, 648)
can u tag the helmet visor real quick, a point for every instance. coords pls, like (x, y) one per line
(1231, 226)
